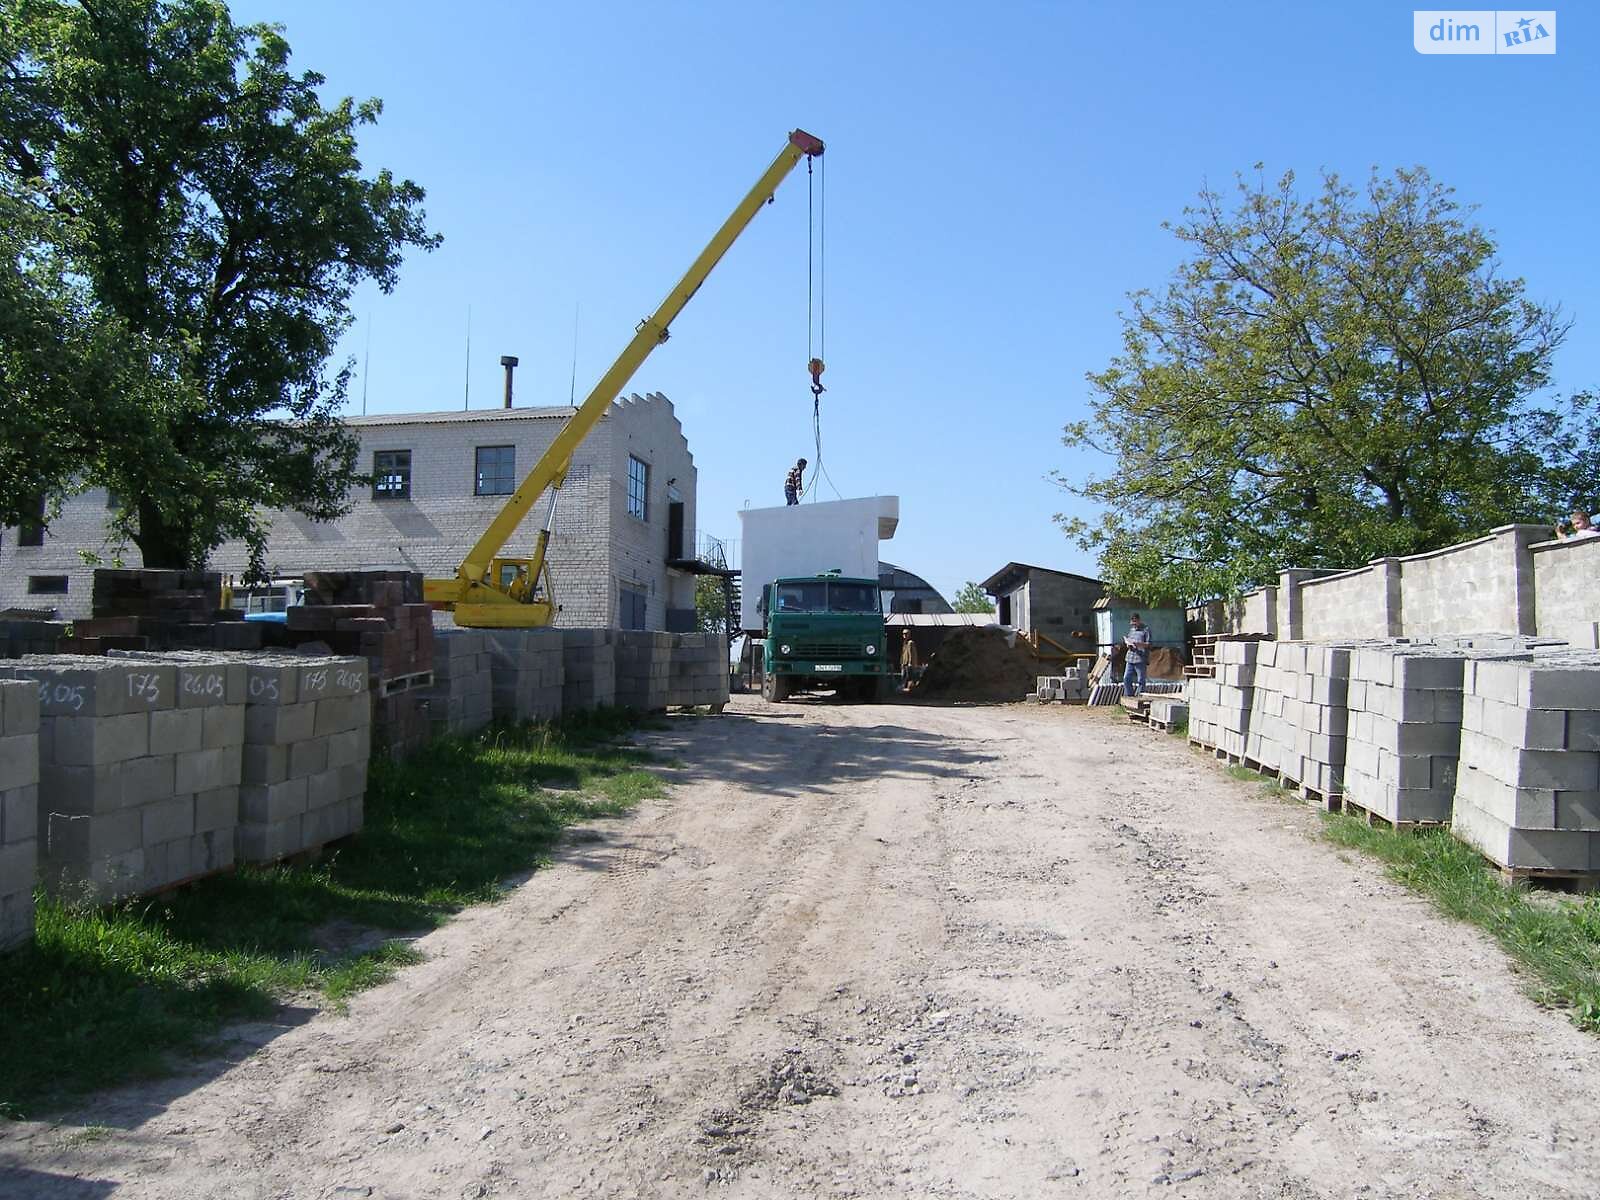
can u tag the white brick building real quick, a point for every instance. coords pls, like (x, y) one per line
(440, 478)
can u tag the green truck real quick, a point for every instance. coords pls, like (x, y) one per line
(824, 631)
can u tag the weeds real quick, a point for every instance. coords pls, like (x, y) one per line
(105, 995)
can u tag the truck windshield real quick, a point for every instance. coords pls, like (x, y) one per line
(802, 597)
(852, 598)
(815, 596)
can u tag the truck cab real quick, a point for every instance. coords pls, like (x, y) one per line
(823, 631)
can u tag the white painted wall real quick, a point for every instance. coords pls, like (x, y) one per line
(807, 539)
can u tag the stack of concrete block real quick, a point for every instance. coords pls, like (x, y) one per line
(699, 674)
(644, 669)
(137, 781)
(1528, 787)
(1068, 687)
(1220, 707)
(1405, 708)
(307, 739)
(1168, 711)
(19, 810)
(526, 673)
(589, 669)
(461, 699)
(1304, 701)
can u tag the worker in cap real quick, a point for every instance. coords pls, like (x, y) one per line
(793, 482)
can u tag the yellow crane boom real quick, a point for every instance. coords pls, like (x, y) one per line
(491, 591)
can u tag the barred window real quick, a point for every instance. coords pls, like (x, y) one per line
(496, 471)
(638, 488)
(391, 474)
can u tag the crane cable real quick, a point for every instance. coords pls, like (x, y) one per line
(817, 324)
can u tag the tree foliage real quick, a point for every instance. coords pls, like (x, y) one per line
(970, 598)
(710, 606)
(221, 222)
(1322, 382)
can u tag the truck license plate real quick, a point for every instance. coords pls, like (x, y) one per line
(828, 667)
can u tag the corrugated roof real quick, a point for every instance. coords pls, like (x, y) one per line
(951, 618)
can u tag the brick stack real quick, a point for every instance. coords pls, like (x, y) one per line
(589, 669)
(461, 700)
(136, 788)
(156, 609)
(644, 670)
(1220, 707)
(19, 637)
(19, 810)
(1405, 731)
(307, 738)
(378, 616)
(699, 674)
(527, 673)
(1528, 787)
(375, 615)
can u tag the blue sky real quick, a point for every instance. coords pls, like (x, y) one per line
(996, 181)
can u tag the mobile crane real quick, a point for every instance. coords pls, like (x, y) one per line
(492, 591)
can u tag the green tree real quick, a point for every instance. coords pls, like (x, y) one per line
(1324, 381)
(224, 222)
(970, 598)
(711, 609)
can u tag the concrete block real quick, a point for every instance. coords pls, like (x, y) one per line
(338, 714)
(266, 843)
(166, 820)
(263, 764)
(323, 789)
(1429, 672)
(19, 814)
(92, 741)
(176, 730)
(82, 840)
(147, 780)
(217, 809)
(212, 685)
(19, 760)
(19, 708)
(279, 724)
(1582, 730)
(271, 681)
(206, 770)
(266, 804)
(222, 727)
(1549, 849)
(1573, 688)
(308, 757)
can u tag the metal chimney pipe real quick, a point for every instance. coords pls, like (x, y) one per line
(509, 362)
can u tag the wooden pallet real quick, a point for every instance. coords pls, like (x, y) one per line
(1559, 881)
(1163, 726)
(1326, 801)
(404, 683)
(1379, 821)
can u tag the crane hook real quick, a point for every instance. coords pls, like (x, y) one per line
(816, 368)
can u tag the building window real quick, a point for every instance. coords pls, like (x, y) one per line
(47, 585)
(31, 531)
(638, 490)
(633, 609)
(496, 471)
(391, 474)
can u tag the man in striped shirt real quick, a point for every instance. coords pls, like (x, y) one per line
(793, 482)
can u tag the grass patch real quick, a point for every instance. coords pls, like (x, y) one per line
(1553, 937)
(106, 995)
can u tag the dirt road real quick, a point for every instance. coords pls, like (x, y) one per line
(898, 951)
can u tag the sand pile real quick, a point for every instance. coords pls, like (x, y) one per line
(977, 664)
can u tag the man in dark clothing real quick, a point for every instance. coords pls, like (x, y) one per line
(793, 482)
